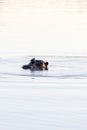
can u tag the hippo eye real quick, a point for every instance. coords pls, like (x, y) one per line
(33, 60)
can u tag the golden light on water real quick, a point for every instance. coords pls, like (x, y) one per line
(56, 25)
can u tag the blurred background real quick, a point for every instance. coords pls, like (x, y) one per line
(43, 27)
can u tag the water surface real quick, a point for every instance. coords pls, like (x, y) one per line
(50, 100)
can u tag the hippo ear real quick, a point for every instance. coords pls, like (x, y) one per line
(46, 63)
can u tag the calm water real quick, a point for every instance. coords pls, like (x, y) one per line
(59, 67)
(43, 100)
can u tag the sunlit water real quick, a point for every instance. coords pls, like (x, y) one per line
(43, 100)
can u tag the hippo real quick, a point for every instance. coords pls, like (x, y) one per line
(36, 65)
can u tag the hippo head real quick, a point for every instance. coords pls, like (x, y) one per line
(36, 65)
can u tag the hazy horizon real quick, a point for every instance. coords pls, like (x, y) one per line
(47, 26)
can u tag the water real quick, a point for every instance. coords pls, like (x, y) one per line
(43, 100)
(59, 67)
